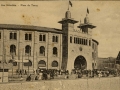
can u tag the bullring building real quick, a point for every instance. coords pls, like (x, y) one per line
(49, 48)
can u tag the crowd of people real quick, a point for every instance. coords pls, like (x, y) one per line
(21, 72)
(52, 73)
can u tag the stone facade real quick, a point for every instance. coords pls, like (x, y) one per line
(35, 44)
(78, 44)
(49, 48)
(103, 63)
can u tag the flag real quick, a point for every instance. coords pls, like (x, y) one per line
(70, 3)
(87, 10)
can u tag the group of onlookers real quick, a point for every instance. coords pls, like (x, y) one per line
(97, 73)
(50, 74)
(21, 72)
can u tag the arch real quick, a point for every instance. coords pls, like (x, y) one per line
(42, 50)
(28, 50)
(12, 49)
(14, 63)
(42, 63)
(29, 63)
(54, 63)
(80, 63)
(54, 51)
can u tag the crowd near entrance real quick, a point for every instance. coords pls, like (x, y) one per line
(80, 63)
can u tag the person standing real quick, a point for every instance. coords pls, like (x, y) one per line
(28, 78)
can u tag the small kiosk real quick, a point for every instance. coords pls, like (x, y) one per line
(4, 72)
(3, 75)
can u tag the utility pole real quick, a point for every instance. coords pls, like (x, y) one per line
(22, 60)
(4, 56)
(28, 60)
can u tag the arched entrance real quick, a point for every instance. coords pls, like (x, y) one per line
(80, 63)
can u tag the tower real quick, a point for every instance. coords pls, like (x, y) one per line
(86, 28)
(67, 26)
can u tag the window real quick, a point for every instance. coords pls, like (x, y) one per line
(55, 51)
(42, 63)
(42, 50)
(93, 45)
(13, 35)
(86, 41)
(13, 50)
(80, 41)
(70, 39)
(28, 36)
(89, 42)
(93, 56)
(54, 38)
(54, 64)
(42, 37)
(27, 50)
(0, 35)
(74, 39)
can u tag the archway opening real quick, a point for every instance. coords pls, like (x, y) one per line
(80, 63)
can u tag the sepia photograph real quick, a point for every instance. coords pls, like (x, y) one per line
(60, 45)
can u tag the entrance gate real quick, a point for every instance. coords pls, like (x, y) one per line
(80, 63)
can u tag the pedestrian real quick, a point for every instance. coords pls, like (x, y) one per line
(28, 78)
(25, 72)
(36, 78)
(20, 72)
(16, 71)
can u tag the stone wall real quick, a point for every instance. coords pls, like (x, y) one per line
(111, 83)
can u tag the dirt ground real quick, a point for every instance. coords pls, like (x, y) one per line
(111, 83)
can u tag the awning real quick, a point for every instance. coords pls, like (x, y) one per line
(22, 61)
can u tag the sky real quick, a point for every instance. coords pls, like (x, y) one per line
(103, 14)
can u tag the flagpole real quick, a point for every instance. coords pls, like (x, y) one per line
(68, 4)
